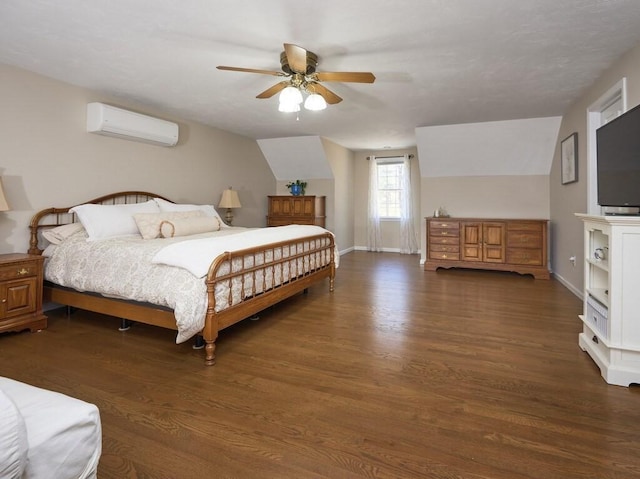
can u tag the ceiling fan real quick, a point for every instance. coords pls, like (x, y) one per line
(299, 67)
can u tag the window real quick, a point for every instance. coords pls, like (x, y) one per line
(389, 189)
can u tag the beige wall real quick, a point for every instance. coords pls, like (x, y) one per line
(525, 196)
(567, 231)
(390, 230)
(338, 192)
(48, 159)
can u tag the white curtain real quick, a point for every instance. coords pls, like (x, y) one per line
(374, 239)
(408, 237)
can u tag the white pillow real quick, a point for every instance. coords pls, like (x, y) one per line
(107, 221)
(149, 223)
(14, 445)
(167, 206)
(58, 234)
(188, 226)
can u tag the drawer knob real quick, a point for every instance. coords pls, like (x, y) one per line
(595, 339)
(23, 271)
(4, 300)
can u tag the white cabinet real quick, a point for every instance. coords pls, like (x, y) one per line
(611, 315)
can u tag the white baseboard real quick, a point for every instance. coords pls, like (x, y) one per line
(578, 292)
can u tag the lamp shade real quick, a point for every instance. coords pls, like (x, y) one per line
(315, 102)
(290, 95)
(4, 206)
(230, 199)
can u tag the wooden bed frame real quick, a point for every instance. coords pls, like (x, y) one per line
(214, 321)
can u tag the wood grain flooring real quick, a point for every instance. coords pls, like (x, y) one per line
(400, 373)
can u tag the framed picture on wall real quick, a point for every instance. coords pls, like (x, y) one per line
(569, 158)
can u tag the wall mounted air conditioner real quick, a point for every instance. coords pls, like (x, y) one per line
(111, 121)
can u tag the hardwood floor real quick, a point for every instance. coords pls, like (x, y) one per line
(400, 373)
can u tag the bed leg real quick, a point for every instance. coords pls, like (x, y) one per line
(331, 284)
(125, 324)
(210, 352)
(199, 342)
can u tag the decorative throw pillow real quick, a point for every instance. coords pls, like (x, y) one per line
(189, 226)
(60, 233)
(106, 221)
(209, 210)
(149, 223)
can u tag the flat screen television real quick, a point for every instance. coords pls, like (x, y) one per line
(618, 163)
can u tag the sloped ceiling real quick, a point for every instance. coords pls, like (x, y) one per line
(296, 157)
(496, 148)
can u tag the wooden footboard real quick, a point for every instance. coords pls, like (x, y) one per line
(239, 284)
(263, 276)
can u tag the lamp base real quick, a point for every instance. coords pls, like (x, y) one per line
(228, 218)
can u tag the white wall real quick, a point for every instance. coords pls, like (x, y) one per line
(566, 200)
(48, 159)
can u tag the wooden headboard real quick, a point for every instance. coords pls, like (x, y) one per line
(52, 217)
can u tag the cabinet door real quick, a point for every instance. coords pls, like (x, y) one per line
(493, 244)
(471, 238)
(279, 205)
(303, 206)
(483, 242)
(18, 297)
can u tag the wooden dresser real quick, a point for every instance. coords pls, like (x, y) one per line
(21, 292)
(296, 210)
(518, 245)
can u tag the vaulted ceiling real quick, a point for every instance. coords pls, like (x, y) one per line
(436, 62)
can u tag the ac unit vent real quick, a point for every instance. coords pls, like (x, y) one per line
(111, 121)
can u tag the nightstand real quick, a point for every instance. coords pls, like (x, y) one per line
(21, 292)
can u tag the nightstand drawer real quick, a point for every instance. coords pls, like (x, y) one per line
(17, 271)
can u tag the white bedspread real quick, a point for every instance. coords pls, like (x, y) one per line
(197, 254)
(122, 268)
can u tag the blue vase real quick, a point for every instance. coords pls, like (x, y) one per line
(296, 190)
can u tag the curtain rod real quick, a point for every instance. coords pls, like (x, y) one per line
(394, 156)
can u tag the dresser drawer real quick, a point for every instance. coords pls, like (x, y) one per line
(444, 248)
(444, 255)
(524, 256)
(17, 271)
(444, 224)
(533, 226)
(444, 240)
(524, 239)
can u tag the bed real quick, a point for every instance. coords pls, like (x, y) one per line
(207, 280)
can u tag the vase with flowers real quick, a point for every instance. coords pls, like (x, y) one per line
(297, 187)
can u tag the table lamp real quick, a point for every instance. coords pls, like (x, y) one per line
(4, 206)
(229, 200)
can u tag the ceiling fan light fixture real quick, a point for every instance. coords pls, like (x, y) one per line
(315, 102)
(290, 95)
(288, 107)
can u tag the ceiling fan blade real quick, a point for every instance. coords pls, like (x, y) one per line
(269, 92)
(296, 57)
(250, 70)
(352, 77)
(330, 97)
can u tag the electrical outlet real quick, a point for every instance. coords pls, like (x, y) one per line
(572, 260)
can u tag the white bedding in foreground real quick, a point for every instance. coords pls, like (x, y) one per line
(62, 435)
